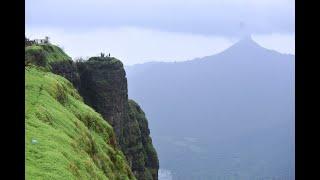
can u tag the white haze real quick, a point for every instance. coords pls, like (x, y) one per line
(138, 45)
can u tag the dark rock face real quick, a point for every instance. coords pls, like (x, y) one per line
(102, 83)
(148, 164)
(68, 70)
(104, 87)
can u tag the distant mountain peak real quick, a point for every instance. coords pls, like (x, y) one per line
(247, 41)
(245, 44)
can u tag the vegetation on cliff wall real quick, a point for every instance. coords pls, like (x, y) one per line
(66, 139)
(145, 153)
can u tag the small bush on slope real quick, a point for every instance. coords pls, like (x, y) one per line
(66, 139)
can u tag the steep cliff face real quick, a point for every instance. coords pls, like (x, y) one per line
(103, 85)
(146, 153)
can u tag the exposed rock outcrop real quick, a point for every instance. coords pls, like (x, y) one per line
(68, 70)
(102, 83)
(149, 158)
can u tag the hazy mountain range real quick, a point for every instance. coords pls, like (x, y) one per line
(225, 116)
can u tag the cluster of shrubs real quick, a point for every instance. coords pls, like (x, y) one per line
(35, 55)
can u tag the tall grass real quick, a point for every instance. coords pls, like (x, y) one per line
(65, 138)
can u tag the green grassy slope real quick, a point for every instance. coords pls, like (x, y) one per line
(66, 139)
(44, 55)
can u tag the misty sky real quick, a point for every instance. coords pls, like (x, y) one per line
(167, 30)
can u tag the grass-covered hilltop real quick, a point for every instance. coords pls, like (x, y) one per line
(79, 121)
